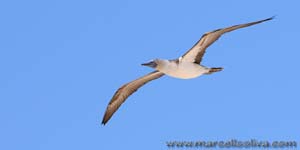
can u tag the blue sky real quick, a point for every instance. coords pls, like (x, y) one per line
(61, 61)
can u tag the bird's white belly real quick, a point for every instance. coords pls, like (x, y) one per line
(183, 70)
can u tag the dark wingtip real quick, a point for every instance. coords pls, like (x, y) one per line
(106, 117)
(103, 122)
(266, 19)
(273, 17)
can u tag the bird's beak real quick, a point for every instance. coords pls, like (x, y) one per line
(151, 64)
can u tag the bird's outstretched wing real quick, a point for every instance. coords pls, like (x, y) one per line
(125, 91)
(196, 53)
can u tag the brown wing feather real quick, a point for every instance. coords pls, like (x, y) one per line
(125, 91)
(196, 53)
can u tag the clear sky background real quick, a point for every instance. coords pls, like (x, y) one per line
(62, 60)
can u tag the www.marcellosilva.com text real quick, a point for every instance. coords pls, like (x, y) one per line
(232, 144)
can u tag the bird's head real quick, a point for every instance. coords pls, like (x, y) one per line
(152, 63)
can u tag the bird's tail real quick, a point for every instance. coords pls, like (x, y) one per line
(212, 70)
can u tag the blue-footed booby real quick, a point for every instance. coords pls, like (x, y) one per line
(185, 67)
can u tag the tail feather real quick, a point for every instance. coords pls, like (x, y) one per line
(212, 70)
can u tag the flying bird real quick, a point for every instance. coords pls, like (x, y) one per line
(185, 67)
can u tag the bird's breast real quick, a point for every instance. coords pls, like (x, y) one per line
(183, 70)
